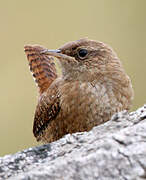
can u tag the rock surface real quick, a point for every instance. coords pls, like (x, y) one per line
(114, 150)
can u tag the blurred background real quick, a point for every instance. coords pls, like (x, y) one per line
(120, 23)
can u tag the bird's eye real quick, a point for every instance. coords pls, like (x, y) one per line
(82, 53)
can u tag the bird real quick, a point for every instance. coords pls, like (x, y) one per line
(92, 87)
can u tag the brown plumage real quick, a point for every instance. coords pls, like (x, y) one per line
(93, 87)
(41, 66)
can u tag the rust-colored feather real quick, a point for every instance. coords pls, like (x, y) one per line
(42, 67)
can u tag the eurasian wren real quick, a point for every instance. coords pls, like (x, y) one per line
(93, 86)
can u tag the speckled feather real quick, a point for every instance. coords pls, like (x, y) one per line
(87, 94)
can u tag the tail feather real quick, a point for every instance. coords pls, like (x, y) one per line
(42, 67)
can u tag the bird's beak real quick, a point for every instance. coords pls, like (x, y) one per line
(48, 51)
(58, 54)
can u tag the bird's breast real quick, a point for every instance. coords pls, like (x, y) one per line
(84, 105)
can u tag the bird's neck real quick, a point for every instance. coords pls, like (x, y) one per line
(95, 73)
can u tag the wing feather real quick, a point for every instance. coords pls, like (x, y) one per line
(47, 110)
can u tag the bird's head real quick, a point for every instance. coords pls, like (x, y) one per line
(84, 58)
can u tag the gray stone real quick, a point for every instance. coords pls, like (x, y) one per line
(114, 150)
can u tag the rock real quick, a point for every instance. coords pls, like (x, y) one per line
(114, 150)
